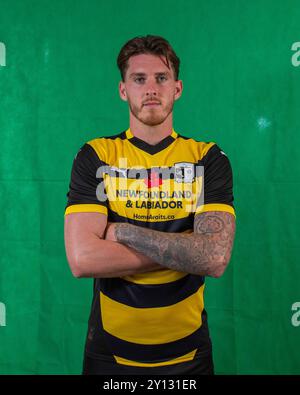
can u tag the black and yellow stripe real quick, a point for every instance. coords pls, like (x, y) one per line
(144, 307)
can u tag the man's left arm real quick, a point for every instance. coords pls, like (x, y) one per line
(205, 252)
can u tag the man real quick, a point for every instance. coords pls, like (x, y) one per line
(148, 224)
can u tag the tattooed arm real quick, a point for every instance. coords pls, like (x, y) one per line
(206, 251)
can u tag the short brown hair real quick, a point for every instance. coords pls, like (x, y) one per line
(154, 45)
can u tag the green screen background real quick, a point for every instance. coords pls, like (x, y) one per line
(59, 89)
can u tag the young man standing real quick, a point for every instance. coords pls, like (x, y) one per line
(149, 215)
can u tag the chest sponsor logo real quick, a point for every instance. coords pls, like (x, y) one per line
(176, 187)
(153, 181)
(184, 172)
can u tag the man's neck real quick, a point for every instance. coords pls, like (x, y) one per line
(151, 134)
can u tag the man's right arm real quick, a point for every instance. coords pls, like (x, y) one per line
(89, 255)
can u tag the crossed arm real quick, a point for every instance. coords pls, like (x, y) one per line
(206, 251)
(125, 249)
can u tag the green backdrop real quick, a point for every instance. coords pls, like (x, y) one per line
(241, 90)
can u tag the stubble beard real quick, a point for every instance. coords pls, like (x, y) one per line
(152, 116)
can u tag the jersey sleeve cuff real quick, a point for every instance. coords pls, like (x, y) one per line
(86, 208)
(215, 207)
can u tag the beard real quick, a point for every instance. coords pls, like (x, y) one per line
(151, 116)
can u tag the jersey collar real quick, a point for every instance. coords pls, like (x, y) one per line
(151, 149)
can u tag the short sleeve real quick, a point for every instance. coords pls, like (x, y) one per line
(218, 183)
(85, 186)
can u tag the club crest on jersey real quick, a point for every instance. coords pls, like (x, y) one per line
(184, 172)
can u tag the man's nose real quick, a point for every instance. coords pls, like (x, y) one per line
(151, 88)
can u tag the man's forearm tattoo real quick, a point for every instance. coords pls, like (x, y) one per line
(201, 252)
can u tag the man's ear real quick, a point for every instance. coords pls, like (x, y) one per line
(178, 89)
(122, 91)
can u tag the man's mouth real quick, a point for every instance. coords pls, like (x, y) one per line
(152, 103)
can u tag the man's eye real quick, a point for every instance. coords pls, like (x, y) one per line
(139, 80)
(162, 78)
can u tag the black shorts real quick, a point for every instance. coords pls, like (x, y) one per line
(202, 365)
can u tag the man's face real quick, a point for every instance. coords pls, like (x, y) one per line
(150, 89)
